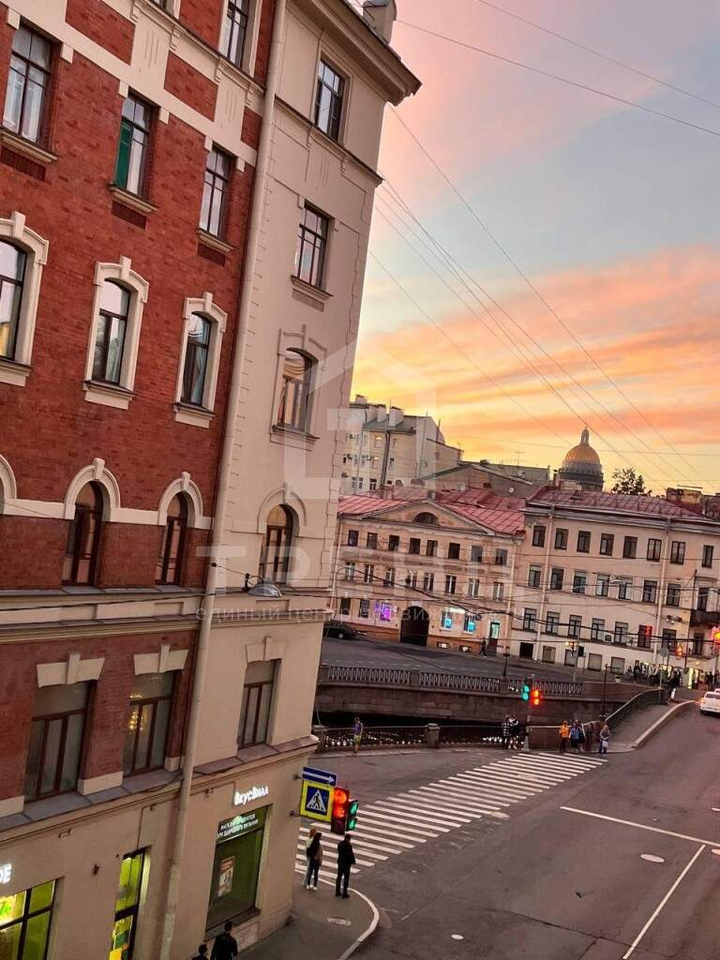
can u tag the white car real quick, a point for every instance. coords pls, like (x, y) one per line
(710, 702)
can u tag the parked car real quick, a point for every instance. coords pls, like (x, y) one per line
(335, 630)
(710, 702)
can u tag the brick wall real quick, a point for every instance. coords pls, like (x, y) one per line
(267, 17)
(251, 128)
(190, 86)
(203, 18)
(103, 25)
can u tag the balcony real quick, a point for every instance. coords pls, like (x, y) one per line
(704, 618)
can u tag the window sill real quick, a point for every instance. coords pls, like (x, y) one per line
(107, 394)
(27, 148)
(195, 416)
(292, 437)
(215, 243)
(314, 293)
(13, 372)
(131, 200)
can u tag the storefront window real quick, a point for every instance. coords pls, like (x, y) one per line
(25, 923)
(127, 906)
(147, 731)
(236, 867)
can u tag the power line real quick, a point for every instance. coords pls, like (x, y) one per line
(598, 53)
(566, 80)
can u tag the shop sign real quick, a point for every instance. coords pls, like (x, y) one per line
(242, 797)
(225, 877)
(242, 823)
(5, 872)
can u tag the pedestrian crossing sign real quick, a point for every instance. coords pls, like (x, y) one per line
(316, 801)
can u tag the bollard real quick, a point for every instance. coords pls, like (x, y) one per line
(320, 732)
(432, 735)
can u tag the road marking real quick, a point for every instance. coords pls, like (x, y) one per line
(429, 806)
(662, 903)
(641, 826)
(459, 801)
(506, 779)
(547, 773)
(400, 829)
(461, 789)
(412, 822)
(651, 858)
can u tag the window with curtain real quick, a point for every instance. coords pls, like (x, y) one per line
(275, 559)
(234, 34)
(133, 146)
(83, 541)
(56, 738)
(295, 391)
(256, 703)
(28, 84)
(148, 722)
(169, 565)
(111, 331)
(196, 360)
(12, 279)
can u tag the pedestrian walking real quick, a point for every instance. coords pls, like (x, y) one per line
(225, 946)
(483, 649)
(506, 731)
(314, 855)
(564, 735)
(345, 860)
(604, 740)
(202, 952)
(358, 728)
(576, 736)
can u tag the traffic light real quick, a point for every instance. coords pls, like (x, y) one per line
(352, 814)
(525, 691)
(535, 697)
(340, 808)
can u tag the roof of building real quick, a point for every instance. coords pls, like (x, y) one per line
(498, 519)
(482, 497)
(480, 468)
(611, 502)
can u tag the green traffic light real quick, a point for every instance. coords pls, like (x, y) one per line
(352, 815)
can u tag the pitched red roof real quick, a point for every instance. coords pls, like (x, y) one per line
(612, 502)
(358, 505)
(498, 520)
(481, 497)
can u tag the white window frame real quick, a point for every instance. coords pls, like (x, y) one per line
(35, 247)
(252, 36)
(109, 394)
(186, 413)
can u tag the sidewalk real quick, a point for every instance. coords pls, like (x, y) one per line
(641, 726)
(321, 926)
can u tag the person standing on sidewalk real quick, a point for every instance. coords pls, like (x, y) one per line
(604, 740)
(358, 728)
(506, 731)
(314, 859)
(225, 946)
(576, 736)
(345, 860)
(564, 735)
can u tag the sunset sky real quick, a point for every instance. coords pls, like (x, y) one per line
(612, 213)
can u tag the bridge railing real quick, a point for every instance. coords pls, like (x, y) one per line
(644, 699)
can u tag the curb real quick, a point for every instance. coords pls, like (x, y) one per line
(651, 731)
(366, 934)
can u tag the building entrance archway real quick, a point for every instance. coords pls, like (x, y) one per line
(415, 626)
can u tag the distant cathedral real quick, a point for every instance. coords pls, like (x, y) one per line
(582, 465)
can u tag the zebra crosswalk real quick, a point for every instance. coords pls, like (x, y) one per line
(397, 824)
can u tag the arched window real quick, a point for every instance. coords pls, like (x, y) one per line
(111, 330)
(428, 518)
(83, 542)
(12, 277)
(295, 391)
(275, 559)
(196, 360)
(169, 565)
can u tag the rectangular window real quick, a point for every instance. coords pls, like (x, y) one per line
(697, 644)
(476, 554)
(133, 146)
(27, 86)
(597, 629)
(579, 582)
(645, 636)
(256, 703)
(352, 538)
(538, 539)
(378, 440)
(669, 640)
(501, 558)
(428, 582)
(469, 624)
(414, 545)
(552, 623)
(561, 539)
(702, 598)
(548, 654)
(373, 483)
(197, 351)
(607, 542)
(677, 551)
(446, 620)
(127, 905)
(110, 337)
(368, 573)
(431, 548)
(329, 100)
(411, 579)
(654, 549)
(453, 551)
(672, 598)
(570, 657)
(56, 739)
(389, 578)
(234, 31)
(529, 619)
(344, 606)
(574, 626)
(350, 571)
(312, 242)
(617, 665)
(215, 192)
(630, 548)
(625, 588)
(594, 661)
(583, 541)
(498, 590)
(707, 555)
(393, 543)
(450, 583)
(534, 577)
(473, 587)
(364, 610)
(372, 541)
(148, 722)
(649, 592)
(557, 575)
(621, 632)
(602, 585)
(25, 920)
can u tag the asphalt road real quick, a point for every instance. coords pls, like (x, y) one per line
(379, 653)
(468, 859)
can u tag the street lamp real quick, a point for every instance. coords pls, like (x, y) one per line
(262, 588)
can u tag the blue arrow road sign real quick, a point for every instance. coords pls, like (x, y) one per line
(319, 776)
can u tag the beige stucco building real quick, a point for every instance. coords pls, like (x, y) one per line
(618, 581)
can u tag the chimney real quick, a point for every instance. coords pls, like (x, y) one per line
(360, 399)
(396, 416)
(380, 412)
(380, 15)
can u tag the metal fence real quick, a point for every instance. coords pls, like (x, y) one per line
(341, 738)
(644, 699)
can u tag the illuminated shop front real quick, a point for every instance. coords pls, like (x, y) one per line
(236, 868)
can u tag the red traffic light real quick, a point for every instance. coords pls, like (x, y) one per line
(341, 800)
(716, 635)
(536, 697)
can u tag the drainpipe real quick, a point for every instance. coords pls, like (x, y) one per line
(250, 265)
(544, 581)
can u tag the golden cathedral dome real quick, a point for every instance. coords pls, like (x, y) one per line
(582, 465)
